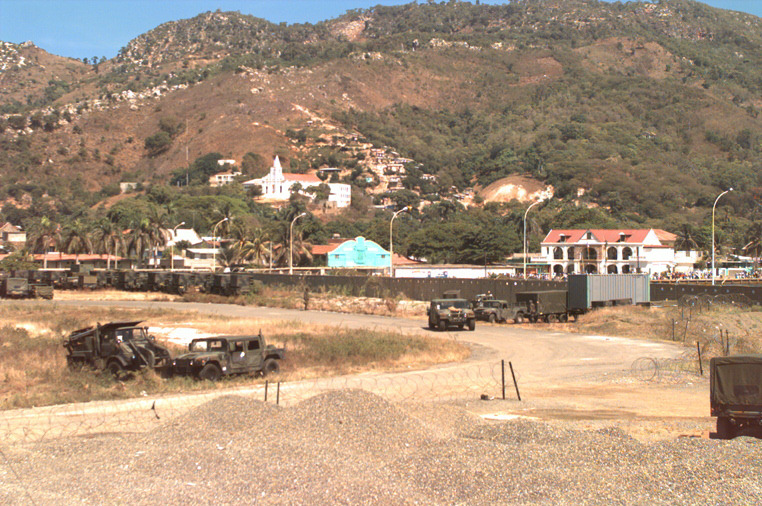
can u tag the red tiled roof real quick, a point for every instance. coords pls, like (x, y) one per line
(400, 260)
(306, 178)
(323, 249)
(600, 235)
(663, 235)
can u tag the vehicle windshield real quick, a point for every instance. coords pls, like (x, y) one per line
(456, 303)
(207, 345)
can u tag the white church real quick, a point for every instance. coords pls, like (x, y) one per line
(276, 186)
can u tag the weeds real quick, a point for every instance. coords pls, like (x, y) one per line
(33, 370)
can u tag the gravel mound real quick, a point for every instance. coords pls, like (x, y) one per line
(352, 447)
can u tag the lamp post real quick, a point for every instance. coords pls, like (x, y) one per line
(525, 236)
(713, 206)
(214, 236)
(391, 241)
(291, 244)
(172, 249)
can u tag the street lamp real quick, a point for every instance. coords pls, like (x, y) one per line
(172, 249)
(713, 206)
(391, 241)
(525, 236)
(291, 244)
(214, 236)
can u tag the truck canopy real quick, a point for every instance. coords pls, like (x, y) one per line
(737, 380)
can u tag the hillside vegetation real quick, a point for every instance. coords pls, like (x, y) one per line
(637, 114)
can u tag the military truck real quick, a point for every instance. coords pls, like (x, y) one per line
(20, 288)
(210, 358)
(447, 312)
(116, 347)
(547, 306)
(735, 395)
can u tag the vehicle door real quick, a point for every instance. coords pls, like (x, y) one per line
(242, 359)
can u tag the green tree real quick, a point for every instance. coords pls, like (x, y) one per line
(42, 235)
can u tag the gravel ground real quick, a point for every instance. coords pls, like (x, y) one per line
(352, 447)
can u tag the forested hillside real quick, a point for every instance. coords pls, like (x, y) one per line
(637, 115)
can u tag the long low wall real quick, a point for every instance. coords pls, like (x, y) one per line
(504, 288)
(672, 291)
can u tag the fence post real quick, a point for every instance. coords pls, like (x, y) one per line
(277, 395)
(727, 342)
(502, 376)
(265, 390)
(516, 385)
(685, 334)
(701, 367)
(674, 322)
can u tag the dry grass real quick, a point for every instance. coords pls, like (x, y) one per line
(289, 299)
(33, 369)
(673, 323)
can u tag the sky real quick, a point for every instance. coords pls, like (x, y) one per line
(87, 28)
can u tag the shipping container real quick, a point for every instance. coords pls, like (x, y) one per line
(587, 291)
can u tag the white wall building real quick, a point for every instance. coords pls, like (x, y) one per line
(276, 186)
(614, 252)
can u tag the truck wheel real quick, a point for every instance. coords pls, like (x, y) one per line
(115, 368)
(471, 324)
(725, 429)
(210, 372)
(519, 318)
(492, 318)
(432, 325)
(271, 366)
(532, 318)
(442, 325)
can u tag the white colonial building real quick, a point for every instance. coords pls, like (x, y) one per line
(614, 252)
(276, 186)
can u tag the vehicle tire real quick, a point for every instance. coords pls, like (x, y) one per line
(519, 318)
(115, 368)
(725, 429)
(550, 318)
(460, 326)
(271, 366)
(442, 325)
(471, 324)
(492, 318)
(210, 372)
(563, 317)
(532, 318)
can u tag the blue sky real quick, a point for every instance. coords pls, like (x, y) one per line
(86, 28)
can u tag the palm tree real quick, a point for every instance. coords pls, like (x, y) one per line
(76, 238)
(255, 248)
(108, 238)
(159, 233)
(139, 239)
(42, 234)
(686, 238)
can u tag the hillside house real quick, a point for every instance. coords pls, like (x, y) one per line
(223, 178)
(11, 236)
(277, 186)
(614, 252)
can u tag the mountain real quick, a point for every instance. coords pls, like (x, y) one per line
(645, 110)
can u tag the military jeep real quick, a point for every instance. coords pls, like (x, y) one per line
(210, 358)
(493, 310)
(445, 313)
(735, 396)
(116, 347)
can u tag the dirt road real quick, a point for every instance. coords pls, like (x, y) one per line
(560, 375)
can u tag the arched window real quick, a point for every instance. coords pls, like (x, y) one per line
(589, 254)
(591, 269)
(558, 253)
(611, 269)
(625, 269)
(570, 253)
(570, 269)
(611, 253)
(626, 253)
(558, 270)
